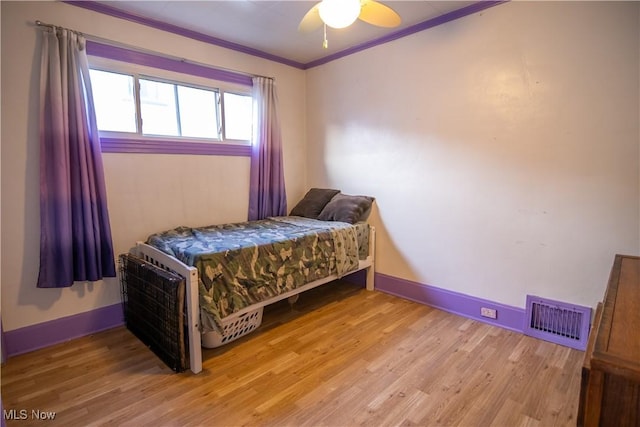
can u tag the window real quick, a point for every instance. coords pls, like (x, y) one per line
(114, 101)
(238, 110)
(152, 107)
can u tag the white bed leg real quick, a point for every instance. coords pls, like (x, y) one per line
(193, 317)
(370, 279)
(372, 255)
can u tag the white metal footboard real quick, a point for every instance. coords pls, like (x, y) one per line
(163, 260)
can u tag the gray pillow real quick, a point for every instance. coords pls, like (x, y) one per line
(347, 208)
(313, 202)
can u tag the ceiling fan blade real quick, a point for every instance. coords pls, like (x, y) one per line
(378, 14)
(311, 20)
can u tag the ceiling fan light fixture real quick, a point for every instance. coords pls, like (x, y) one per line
(339, 13)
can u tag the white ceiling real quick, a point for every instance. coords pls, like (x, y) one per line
(272, 26)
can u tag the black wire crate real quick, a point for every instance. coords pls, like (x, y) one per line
(154, 309)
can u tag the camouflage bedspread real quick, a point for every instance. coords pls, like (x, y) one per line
(244, 263)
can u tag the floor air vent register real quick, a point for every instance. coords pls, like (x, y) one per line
(557, 322)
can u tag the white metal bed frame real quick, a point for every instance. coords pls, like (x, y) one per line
(158, 258)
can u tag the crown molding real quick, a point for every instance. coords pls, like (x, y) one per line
(430, 23)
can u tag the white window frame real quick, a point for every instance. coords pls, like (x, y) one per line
(223, 115)
(125, 141)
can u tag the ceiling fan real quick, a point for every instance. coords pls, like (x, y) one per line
(342, 13)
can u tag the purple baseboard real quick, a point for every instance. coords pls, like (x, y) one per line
(45, 334)
(56, 331)
(508, 317)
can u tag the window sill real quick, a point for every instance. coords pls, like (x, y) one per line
(168, 146)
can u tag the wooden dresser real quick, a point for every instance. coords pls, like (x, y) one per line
(610, 389)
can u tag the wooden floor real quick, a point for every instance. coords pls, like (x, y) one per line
(341, 357)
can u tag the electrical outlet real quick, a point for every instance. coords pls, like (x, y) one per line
(489, 312)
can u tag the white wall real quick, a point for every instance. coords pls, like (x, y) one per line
(502, 148)
(147, 193)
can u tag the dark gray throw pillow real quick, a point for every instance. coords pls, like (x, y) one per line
(347, 208)
(313, 202)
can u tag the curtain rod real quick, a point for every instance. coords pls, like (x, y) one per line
(147, 51)
(43, 24)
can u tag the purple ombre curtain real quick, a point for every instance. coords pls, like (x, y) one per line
(267, 195)
(75, 236)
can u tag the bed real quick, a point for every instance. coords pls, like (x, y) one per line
(233, 270)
